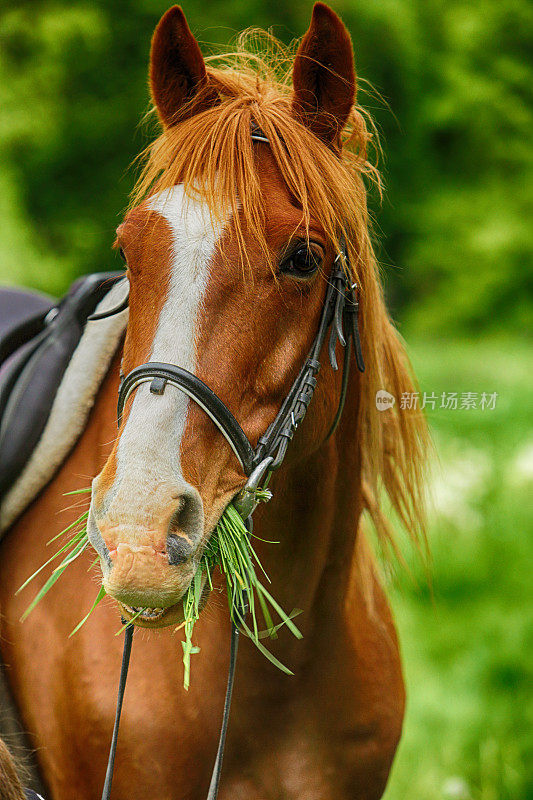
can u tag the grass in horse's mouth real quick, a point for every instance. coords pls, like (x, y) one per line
(230, 550)
(145, 613)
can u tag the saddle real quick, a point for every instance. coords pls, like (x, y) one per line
(38, 336)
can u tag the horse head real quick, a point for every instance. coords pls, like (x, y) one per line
(229, 247)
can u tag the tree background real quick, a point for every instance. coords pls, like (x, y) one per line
(452, 85)
(457, 81)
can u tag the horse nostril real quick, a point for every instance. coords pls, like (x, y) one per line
(185, 528)
(178, 549)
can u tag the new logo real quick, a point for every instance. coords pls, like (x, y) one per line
(384, 400)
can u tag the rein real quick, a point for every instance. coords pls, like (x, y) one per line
(340, 311)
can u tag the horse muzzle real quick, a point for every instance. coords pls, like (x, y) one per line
(149, 550)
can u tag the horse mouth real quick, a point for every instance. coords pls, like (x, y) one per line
(161, 617)
(147, 617)
(146, 614)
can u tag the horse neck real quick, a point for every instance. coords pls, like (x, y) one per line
(314, 515)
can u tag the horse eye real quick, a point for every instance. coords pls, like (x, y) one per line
(302, 262)
(122, 254)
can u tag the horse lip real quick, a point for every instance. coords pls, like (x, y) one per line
(153, 618)
(152, 614)
(164, 617)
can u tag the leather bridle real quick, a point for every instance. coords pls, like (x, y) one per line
(340, 317)
(340, 311)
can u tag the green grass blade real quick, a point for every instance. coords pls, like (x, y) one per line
(129, 622)
(81, 518)
(71, 542)
(74, 554)
(262, 649)
(52, 579)
(269, 622)
(99, 597)
(271, 633)
(283, 616)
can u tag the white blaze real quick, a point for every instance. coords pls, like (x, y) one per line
(148, 452)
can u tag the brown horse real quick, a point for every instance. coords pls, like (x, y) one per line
(229, 244)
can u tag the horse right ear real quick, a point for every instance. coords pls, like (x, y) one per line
(178, 78)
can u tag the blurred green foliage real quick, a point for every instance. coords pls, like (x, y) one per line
(456, 223)
(467, 640)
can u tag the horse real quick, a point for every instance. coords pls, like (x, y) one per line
(228, 244)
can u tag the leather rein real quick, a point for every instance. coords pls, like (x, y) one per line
(339, 317)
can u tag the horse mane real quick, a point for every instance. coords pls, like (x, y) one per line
(10, 786)
(212, 154)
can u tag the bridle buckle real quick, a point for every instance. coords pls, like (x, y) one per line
(253, 492)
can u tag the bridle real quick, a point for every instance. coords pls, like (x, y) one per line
(340, 317)
(340, 307)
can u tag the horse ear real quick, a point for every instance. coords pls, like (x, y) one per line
(178, 78)
(324, 76)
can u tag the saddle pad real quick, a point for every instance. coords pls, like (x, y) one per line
(34, 354)
(70, 410)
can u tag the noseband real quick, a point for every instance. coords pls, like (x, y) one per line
(340, 317)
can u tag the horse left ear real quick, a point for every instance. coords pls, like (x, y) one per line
(178, 78)
(324, 76)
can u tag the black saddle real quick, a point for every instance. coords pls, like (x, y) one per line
(38, 336)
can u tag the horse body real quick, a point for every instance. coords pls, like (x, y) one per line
(329, 731)
(230, 286)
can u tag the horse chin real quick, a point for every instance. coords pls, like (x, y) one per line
(145, 617)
